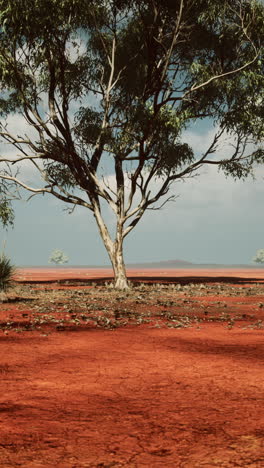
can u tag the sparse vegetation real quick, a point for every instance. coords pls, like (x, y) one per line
(69, 306)
(7, 271)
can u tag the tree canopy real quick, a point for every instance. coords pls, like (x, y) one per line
(108, 89)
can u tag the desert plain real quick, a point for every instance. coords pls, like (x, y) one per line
(169, 374)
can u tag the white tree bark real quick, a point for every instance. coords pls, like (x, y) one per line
(120, 281)
(114, 249)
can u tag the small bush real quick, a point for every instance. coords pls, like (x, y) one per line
(7, 271)
(259, 257)
(58, 257)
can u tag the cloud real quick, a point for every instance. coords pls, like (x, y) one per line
(200, 142)
(17, 126)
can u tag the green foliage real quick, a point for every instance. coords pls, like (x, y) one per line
(59, 175)
(6, 213)
(259, 257)
(211, 43)
(58, 257)
(89, 125)
(7, 271)
(6, 210)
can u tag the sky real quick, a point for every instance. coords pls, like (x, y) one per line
(214, 220)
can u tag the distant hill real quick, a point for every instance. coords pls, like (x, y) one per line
(171, 264)
(162, 264)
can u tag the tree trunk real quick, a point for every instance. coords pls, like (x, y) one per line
(120, 278)
(3, 296)
(114, 250)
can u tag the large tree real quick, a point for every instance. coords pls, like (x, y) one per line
(109, 88)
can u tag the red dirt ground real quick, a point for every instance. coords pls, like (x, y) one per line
(49, 274)
(137, 396)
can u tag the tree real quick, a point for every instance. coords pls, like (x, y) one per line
(259, 257)
(58, 257)
(109, 87)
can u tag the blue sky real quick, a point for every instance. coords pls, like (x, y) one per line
(214, 220)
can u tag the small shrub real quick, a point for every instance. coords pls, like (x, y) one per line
(259, 257)
(7, 271)
(58, 257)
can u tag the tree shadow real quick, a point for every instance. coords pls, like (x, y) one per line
(248, 352)
(185, 280)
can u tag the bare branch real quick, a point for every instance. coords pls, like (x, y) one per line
(177, 29)
(68, 199)
(172, 198)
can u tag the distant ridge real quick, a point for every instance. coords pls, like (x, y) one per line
(171, 264)
(162, 264)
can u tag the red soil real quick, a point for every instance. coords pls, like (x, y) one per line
(49, 274)
(135, 396)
